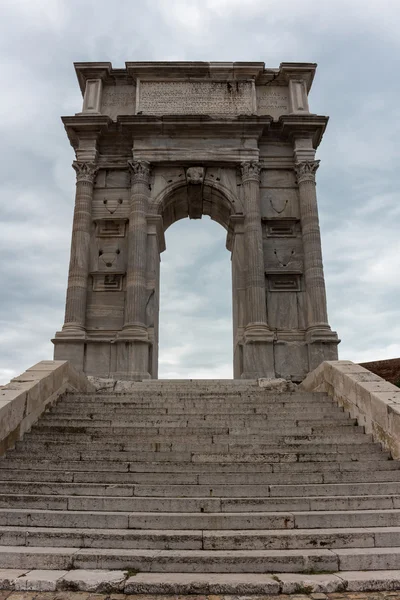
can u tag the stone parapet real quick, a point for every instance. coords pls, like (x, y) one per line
(25, 398)
(374, 402)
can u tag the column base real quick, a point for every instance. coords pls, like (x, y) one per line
(133, 358)
(70, 349)
(322, 345)
(71, 333)
(133, 333)
(258, 332)
(258, 354)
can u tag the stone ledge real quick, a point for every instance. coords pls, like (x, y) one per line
(374, 402)
(318, 586)
(25, 398)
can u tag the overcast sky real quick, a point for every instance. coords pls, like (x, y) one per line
(356, 44)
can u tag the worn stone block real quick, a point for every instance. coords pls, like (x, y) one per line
(39, 580)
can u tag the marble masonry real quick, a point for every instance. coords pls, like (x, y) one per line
(160, 141)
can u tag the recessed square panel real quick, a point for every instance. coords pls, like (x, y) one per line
(107, 282)
(110, 228)
(284, 283)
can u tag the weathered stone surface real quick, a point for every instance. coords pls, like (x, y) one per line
(276, 385)
(8, 578)
(26, 397)
(93, 581)
(369, 398)
(294, 583)
(187, 583)
(203, 151)
(39, 581)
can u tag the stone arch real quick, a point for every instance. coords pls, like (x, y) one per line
(179, 200)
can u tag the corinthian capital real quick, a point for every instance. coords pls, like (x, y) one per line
(305, 170)
(85, 171)
(250, 170)
(140, 171)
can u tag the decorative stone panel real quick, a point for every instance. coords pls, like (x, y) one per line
(272, 100)
(107, 282)
(284, 283)
(110, 227)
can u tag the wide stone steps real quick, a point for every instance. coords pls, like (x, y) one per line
(193, 477)
(339, 519)
(232, 491)
(253, 478)
(187, 539)
(200, 561)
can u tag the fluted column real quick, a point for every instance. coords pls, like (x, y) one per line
(75, 309)
(257, 350)
(135, 303)
(255, 284)
(317, 317)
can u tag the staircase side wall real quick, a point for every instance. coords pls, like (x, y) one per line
(26, 397)
(374, 402)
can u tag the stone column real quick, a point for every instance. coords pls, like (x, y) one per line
(258, 357)
(323, 342)
(75, 309)
(317, 316)
(135, 303)
(135, 361)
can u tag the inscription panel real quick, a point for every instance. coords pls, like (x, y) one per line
(196, 97)
(118, 100)
(272, 100)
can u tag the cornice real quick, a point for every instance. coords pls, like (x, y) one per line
(310, 126)
(81, 126)
(195, 70)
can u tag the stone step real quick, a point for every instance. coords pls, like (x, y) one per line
(353, 467)
(345, 427)
(210, 394)
(70, 403)
(247, 584)
(296, 411)
(196, 539)
(71, 449)
(275, 456)
(206, 521)
(198, 504)
(163, 478)
(357, 437)
(217, 490)
(201, 561)
(254, 420)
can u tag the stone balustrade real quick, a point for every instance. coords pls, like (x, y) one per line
(374, 402)
(25, 398)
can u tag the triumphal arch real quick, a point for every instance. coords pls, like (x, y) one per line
(160, 141)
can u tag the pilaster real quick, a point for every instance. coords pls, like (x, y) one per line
(258, 338)
(318, 331)
(135, 332)
(74, 330)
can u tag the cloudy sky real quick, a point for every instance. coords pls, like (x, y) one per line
(356, 45)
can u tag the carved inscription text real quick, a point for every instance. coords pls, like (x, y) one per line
(272, 100)
(195, 97)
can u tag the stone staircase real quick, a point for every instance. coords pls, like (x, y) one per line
(183, 478)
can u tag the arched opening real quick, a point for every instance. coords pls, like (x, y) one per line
(195, 324)
(195, 303)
